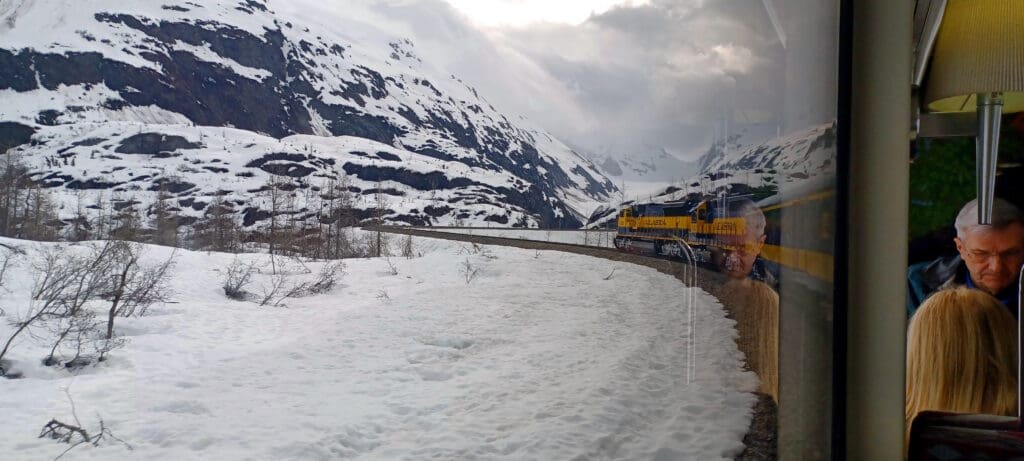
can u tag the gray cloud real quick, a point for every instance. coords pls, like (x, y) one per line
(656, 75)
(632, 78)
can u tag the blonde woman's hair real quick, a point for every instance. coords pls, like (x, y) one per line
(961, 355)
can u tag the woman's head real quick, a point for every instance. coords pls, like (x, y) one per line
(961, 355)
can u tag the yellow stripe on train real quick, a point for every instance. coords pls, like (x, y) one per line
(815, 263)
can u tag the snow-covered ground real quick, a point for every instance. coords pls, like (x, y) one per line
(594, 238)
(537, 357)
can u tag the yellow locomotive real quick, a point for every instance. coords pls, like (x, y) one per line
(653, 228)
(720, 226)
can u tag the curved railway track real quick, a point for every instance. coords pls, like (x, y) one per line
(761, 441)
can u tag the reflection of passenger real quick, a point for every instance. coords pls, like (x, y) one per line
(738, 255)
(990, 257)
(961, 355)
(755, 306)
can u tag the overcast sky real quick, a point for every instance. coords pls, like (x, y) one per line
(605, 74)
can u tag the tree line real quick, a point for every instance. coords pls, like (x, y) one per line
(298, 218)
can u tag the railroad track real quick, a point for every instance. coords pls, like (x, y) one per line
(761, 440)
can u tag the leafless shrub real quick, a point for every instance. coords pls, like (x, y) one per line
(392, 269)
(383, 295)
(103, 345)
(487, 253)
(609, 276)
(478, 249)
(468, 270)
(327, 278)
(77, 330)
(75, 434)
(64, 282)
(376, 244)
(283, 285)
(237, 276)
(407, 247)
(277, 290)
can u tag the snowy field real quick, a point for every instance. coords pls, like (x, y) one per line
(537, 357)
(595, 238)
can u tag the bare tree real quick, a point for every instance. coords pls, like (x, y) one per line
(80, 222)
(126, 222)
(407, 247)
(278, 203)
(64, 281)
(102, 223)
(218, 230)
(165, 219)
(37, 222)
(136, 286)
(380, 208)
(338, 213)
(13, 179)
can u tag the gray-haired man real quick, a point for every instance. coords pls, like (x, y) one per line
(990, 257)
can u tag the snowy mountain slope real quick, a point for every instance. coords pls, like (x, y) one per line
(273, 69)
(195, 165)
(811, 152)
(651, 164)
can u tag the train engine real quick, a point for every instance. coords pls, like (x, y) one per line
(659, 229)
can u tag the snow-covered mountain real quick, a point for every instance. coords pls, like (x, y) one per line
(212, 98)
(795, 162)
(646, 164)
(805, 153)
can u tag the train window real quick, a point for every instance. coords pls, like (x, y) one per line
(763, 207)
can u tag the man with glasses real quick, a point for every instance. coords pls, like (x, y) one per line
(990, 258)
(737, 256)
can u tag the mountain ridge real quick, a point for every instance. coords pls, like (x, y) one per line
(179, 70)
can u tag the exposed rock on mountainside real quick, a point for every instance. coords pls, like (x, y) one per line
(221, 95)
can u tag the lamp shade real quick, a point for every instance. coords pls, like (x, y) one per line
(979, 49)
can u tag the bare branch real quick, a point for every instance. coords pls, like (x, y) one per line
(468, 271)
(238, 276)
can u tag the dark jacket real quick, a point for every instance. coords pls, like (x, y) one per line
(926, 278)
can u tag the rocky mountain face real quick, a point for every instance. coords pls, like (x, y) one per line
(214, 98)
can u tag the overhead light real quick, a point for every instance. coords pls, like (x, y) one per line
(978, 66)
